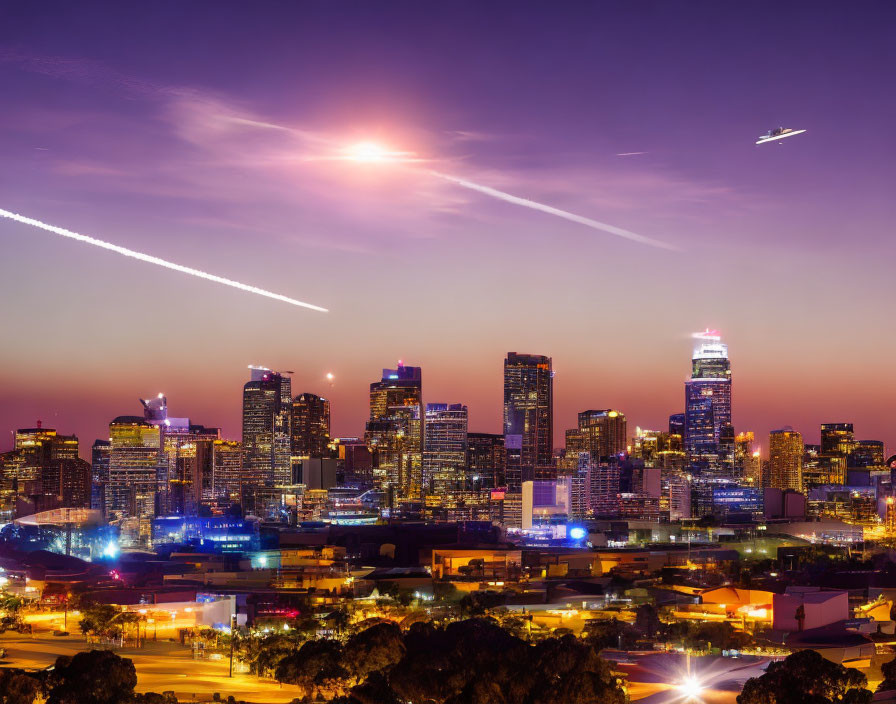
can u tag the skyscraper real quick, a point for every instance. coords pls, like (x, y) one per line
(227, 461)
(600, 433)
(267, 404)
(310, 426)
(785, 459)
(485, 460)
(707, 396)
(528, 417)
(837, 439)
(134, 459)
(445, 448)
(395, 433)
(99, 474)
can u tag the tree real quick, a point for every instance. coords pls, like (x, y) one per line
(806, 678)
(92, 677)
(18, 687)
(610, 633)
(888, 669)
(374, 649)
(316, 667)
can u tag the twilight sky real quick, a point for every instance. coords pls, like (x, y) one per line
(209, 134)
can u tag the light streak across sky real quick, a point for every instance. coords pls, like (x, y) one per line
(551, 210)
(155, 260)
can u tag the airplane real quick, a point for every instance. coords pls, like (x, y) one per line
(778, 133)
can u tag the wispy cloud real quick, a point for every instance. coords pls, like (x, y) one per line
(254, 168)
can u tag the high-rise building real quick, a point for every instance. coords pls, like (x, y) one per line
(99, 474)
(601, 434)
(445, 448)
(837, 439)
(677, 424)
(394, 432)
(528, 418)
(310, 426)
(267, 404)
(820, 469)
(785, 461)
(747, 460)
(707, 396)
(134, 459)
(227, 463)
(485, 460)
(867, 453)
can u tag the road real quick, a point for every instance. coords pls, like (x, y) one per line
(161, 666)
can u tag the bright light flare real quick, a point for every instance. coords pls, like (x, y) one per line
(375, 153)
(330, 376)
(691, 688)
(155, 260)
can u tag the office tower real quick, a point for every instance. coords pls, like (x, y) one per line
(227, 464)
(677, 424)
(99, 474)
(310, 426)
(528, 418)
(357, 461)
(747, 462)
(485, 460)
(184, 477)
(37, 449)
(601, 434)
(820, 469)
(707, 396)
(134, 459)
(785, 461)
(837, 439)
(445, 448)
(66, 483)
(867, 453)
(394, 432)
(267, 403)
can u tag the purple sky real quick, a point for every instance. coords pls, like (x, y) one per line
(204, 133)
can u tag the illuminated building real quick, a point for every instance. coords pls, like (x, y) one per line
(785, 461)
(227, 470)
(528, 417)
(394, 432)
(837, 439)
(677, 424)
(595, 489)
(267, 402)
(445, 448)
(707, 396)
(356, 459)
(747, 460)
(134, 458)
(867, 453)
(310, 426)
(485, 459)
(601, 434)
(546, 504)
(36, 450)
(66, 482)
(822, 470)
(99, 470)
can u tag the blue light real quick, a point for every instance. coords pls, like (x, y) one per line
(111, 550)
(577, 533)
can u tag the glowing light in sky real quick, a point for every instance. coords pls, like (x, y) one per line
(155, 260)
(374, 152)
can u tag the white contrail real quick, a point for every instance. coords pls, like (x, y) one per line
(526, 203)
(155, 260)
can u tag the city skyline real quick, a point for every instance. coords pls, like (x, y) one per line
(226, 161)
(232, 430)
